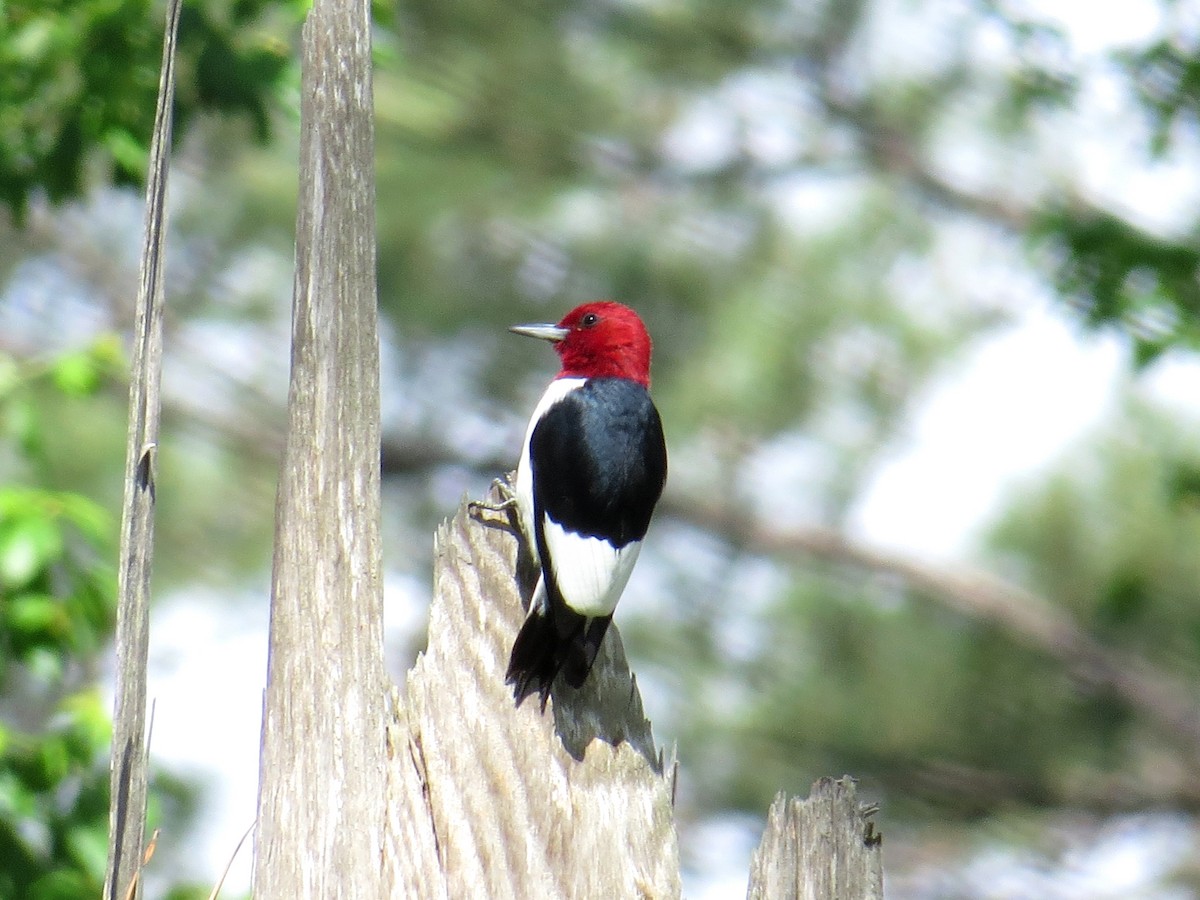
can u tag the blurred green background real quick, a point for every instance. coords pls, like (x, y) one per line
(923, 283)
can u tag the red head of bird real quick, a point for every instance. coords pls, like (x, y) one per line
(602, 339)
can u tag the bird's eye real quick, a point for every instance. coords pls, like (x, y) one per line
(589, 320)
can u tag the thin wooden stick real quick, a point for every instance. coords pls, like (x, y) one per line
(127, 812)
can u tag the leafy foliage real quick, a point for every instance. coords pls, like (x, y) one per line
(78, 82)
(57, 605)
(1122, 276)
(1111, 535)
(1166, 76)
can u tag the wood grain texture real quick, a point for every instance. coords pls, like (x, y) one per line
(822, 848)
(127, 807)
(320, 826)
(486, 799)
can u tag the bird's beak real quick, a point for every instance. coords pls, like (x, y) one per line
(545, 332)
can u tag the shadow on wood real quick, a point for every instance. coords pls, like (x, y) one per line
(489, 800)
(609, 706)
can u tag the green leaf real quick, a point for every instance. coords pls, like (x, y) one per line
(20, 422)
(92, 519)
(31, 43)
(33, 614)
(89, 847)
(61, 884)
(127, 151)
(77, 374)
(89, 719)
(17, 801)
(109, 353)
(26, 547)
(54, 760)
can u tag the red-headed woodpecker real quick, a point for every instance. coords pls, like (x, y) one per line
(592, 468)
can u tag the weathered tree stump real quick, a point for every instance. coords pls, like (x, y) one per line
(486, 799)
(822, 848)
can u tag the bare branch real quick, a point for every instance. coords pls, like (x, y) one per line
(1029, 618)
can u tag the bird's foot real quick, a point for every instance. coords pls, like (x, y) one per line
(508, 499)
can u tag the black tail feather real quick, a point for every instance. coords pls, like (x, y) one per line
(536, 657)
(549, 642)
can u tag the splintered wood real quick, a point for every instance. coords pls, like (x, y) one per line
(822, 848)
(489, 800)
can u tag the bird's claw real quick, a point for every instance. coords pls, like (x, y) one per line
(507, 494)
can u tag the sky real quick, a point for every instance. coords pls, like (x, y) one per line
(1015, 403)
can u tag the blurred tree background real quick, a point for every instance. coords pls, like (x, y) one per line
(833, 217)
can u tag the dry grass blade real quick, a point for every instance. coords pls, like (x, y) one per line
(229, 865)
(146, 857)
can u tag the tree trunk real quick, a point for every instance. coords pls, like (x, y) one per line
(320, 824)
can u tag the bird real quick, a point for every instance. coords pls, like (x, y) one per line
(591, 470)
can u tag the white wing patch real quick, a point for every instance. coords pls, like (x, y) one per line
(590, 572)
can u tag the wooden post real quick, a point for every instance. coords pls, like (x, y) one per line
(488, 800)
(127, 807)
(822, 848)
(320, 825)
